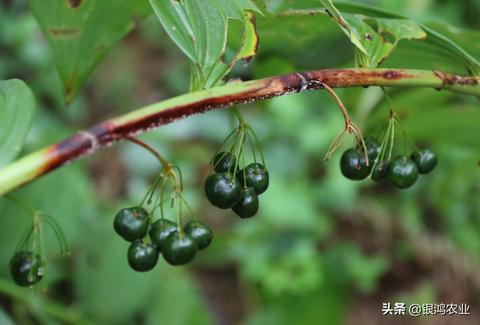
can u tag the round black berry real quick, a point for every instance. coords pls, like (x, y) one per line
(247, 206)
(353, 165)
(201, 234)
(380, 172)
(222, 190)
(142, 257)
(402, 172)
(224, 161)
(26, 268)
(254, 175)
(425, 160)
(160, 230)
(373, 149)
(132, 223)
(179, 249)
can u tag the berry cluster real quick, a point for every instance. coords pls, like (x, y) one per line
(377, 161)
(229, 185)
(178, 245)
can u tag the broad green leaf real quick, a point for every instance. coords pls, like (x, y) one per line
(17, 106)
(200, 30)
(81, 32)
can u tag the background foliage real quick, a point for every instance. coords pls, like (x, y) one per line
(322, 249)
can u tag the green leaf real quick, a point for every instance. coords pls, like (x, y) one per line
(250, 39)
(374, 44)
(200, 30)
(433, 37)
(17, 106)
(352, 33)
(452, 48)
(381, 39)
(81, 32)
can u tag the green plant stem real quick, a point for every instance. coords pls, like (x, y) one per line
(239, 116)
(24, 205)
(43, 161)
(164, 162)
(53, 309)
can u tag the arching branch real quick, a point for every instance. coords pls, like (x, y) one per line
(108, 132)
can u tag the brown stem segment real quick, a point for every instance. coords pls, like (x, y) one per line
(106, 133)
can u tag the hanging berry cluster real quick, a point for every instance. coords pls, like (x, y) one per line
(378, 161)
(233, 183)
(151, 237)
(374, 158)
(27, 265)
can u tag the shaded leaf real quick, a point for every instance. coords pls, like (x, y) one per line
(17, 106)
(200, 30)
(80, 33)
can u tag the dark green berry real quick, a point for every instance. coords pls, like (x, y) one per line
(132, 223)
(224, 161)
(222, 190)
(425, 160)
(353, 165)
(254, 175)
(247, 206)
(373, 149)
(179, 249)
(380, 172)
(160, 230)
(201, 233)
(26, 268)
(403, 172)
(142, 257)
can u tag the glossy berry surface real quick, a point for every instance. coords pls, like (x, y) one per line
(380, 172)
(224, 161)
(373, 149)
(160, 230)
(425, 160)
(222, 190)
(132, 223)
(201, 233)
(248, 204)
(26, 268)
(254, 175)
(353, 164)
(142, 257)
(179, 249)
(403, 172)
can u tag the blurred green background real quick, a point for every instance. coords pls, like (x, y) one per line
(322, 250)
